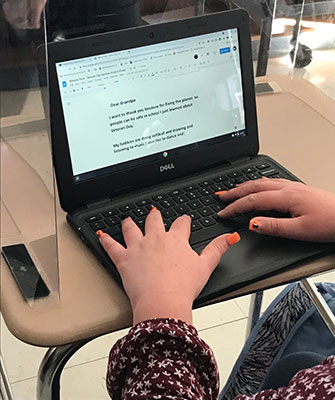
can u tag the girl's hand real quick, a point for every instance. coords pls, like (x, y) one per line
(312, 210)
(160, 272)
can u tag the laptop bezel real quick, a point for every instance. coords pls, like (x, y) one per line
(74, 195)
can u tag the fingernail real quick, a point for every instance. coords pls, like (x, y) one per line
(100, 233)
(233, 238)
(254, 224)
(265, 177)
(221, 192)
(153, 208)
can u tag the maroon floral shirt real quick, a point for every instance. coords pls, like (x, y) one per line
(166, 359)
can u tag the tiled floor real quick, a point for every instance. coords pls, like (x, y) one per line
(223, 325)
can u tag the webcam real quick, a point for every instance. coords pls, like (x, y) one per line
(151, 34)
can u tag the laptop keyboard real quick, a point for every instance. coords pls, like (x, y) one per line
(197, 200)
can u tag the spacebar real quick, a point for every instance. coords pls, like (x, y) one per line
(213, 231)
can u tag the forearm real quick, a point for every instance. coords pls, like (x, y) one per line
(162, 305)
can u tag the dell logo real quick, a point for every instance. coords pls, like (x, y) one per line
(166, 167)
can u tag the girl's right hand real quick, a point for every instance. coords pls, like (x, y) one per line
(312, 210)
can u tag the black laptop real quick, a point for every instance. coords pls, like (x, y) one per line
(164, 115)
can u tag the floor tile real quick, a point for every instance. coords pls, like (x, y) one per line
(85, 382)
(226, 342)
(325, 277)
(21, 360)
(25, 390)
(216, 314)
(97, 349)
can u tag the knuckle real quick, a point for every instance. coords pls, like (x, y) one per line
(251, 199)
(274, 226)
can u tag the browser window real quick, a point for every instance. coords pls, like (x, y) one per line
(131, 104)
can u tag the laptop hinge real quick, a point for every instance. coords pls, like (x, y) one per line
(99, 203)
(239, 160)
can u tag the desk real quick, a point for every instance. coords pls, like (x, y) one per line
(291, 123)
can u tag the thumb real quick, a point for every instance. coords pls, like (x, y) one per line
(291, 228)
(113, 248)
(213, 252)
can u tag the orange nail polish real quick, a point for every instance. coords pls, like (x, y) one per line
(254, 224)
(100, 233)
(233, 238)
(265, 177)
(221, 192)
(153, 208)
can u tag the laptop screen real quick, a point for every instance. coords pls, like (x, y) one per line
(127, 108)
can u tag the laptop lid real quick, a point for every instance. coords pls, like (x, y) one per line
(133, 108)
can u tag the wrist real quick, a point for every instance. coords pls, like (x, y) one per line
(162, 305)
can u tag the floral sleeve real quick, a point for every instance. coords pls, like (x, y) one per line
(317, 383)
(162, 359)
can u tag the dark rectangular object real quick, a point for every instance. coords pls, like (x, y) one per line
(23, 269)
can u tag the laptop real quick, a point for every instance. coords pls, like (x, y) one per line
(164, 115)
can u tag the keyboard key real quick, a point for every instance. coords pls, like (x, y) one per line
(160, 197)
(194, 215)
(153, 204)
(217, 207)
(205, 211)
(218, 187)
(183, 209)
(112, 231)
(191, 188)
(193, 195)
(194, 204)
(168, 213)
(112, 221)
(240, 179)
(140, 212)
(140, 222)
(254, 175)
(229, 184)
(235, 174)
(167, 203)
(207, 221)
(93, 218)
(269, 172)
(125, 215)
(127, 207)
(180, 199)
(207, 200)
(263, 166)
(249, 170)
(176, 192)
(110, 213)
(97, 225)
(195, 226)
(144, 202)
(205, 183)
(206, 191)
(220, 179)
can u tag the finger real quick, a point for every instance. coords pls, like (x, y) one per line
(182, 226)
(268, 200)
(131, 232)
(113, 248)
(290, 228)
(213, 252)
(249, 187)
(154, 222)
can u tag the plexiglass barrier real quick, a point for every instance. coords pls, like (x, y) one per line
(289, 37)
(28, 202)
